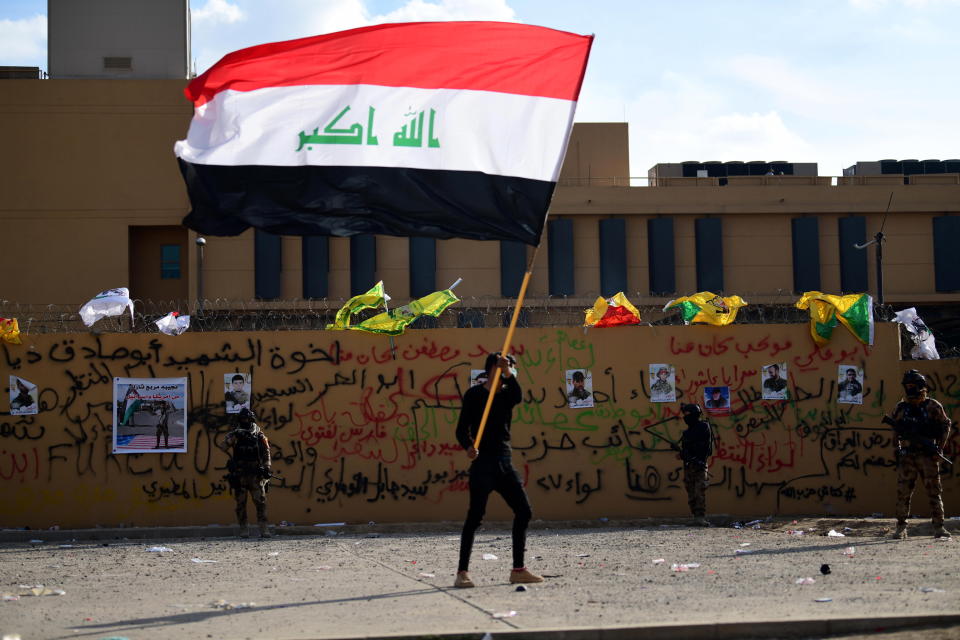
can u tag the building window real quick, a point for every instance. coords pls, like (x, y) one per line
(169, 262)
(806, 254)
(946, 258)
(709, 250)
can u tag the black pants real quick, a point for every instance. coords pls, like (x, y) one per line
(488, 475)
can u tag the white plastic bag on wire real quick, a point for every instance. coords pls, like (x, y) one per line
(924, 345)
(112, 302)
(173, 324)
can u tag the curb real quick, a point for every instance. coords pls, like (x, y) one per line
(710, 631)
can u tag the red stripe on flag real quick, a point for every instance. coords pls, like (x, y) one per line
(484, 56)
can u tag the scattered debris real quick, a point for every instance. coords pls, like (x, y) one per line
(658, 561)
(825, 569)
(489, 556)
(804, 581)
(504, 614)
(201, 561)
(330, 524)
(40, 590)
(849, 551)
(743, 550)
(583, 555)
(428, 575)
(823, 600)
(835, 534)
(159, 549)
(223, 604)
(274, 553)
(521, 587)
(932, 590)
(744, 544)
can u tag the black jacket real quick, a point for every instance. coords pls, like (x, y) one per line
(696, 444)
(496, 435)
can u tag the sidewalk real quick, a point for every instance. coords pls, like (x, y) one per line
(394, 580)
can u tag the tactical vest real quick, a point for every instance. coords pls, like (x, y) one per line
(246, 448)
(916, 420)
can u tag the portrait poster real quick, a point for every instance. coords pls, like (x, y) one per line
(23, 397)
(849, 384)
(150, 415)
(663, 383)
(236, 391)
(579, 388)
(477, 376)
(717, 400)
(773, 381)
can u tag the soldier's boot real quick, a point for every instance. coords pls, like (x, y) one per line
(700, 521)
(265, 531)
(901, 532)
(940, 532)
(244, 530)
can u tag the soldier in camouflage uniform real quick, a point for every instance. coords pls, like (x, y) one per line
(249, 469)
(921, 428)
(695, 450)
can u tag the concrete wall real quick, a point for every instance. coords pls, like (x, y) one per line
(154, 34)
(358, 436)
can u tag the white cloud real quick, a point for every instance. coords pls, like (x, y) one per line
(217, 12)
(23, 42)
(442, 10)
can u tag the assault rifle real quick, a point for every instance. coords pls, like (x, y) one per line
(926, 445)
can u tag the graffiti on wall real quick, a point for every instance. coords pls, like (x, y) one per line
(366, 432)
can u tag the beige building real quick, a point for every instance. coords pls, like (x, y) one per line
(91, 199)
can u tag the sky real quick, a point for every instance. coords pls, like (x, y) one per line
(826, 81)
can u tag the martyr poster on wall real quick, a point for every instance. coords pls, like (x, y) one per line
(579, 389)
(850, 384)
(774, 381)
(23, 397)
(236, 391)
(663, 383)
(150, 415)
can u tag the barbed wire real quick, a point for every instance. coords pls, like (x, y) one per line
(300, 315)
(311, 315)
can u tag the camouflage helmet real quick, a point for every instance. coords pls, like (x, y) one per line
(914, 377)
(246, 417)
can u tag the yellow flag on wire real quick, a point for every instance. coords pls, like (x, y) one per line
(854, 311)
(372, 299)
(395, 321)
(707, 307)
(611, 312)
(10, 330)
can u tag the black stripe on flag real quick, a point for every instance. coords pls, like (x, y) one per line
(346, 201)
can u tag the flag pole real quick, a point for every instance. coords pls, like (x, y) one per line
(506, 347)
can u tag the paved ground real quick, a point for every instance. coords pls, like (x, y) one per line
(377, 581)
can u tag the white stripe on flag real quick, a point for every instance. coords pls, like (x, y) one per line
(493, 133)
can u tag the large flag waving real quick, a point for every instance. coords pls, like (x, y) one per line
(854, 311)
(438, 129)
(707, 307)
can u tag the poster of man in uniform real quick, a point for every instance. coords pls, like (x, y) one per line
(477, 376)
(579, 389)
(850, 384)
(150, 415)
(663, 383)
(23, 397)
(774, 384)
(717, 400)
(236, 391)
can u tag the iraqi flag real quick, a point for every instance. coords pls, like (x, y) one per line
(436, 129)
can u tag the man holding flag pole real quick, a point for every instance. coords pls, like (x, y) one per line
(430, 129)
